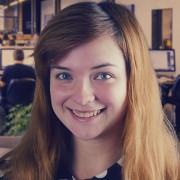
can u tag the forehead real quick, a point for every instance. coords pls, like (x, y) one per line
(99, 50)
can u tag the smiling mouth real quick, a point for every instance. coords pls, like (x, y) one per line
(86, 114)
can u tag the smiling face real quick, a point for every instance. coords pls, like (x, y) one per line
(88, 89)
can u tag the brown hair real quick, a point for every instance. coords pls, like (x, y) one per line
(18, 54)
(149, 146)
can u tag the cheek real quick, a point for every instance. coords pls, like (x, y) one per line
(114, 94)
(116, 100)
(53, 91)
(58, 94)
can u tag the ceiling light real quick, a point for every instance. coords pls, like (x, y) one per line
(13, 3)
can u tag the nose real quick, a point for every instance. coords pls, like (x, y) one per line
(83, 93)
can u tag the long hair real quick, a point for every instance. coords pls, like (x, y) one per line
(149, 145)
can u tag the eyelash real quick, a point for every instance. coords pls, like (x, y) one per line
(100, 76)
(64, 76)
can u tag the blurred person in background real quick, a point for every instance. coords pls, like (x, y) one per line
(16, 71)
(5, 39)
(12, 41)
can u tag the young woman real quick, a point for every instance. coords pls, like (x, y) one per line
(97, 112)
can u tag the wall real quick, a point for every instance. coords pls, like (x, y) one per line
(7, 18)
(143, 10)
(47, 11)
(65, 3)
(1, 19)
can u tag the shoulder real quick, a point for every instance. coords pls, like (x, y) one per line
(8, 68)
(29, 70)
(7, 71)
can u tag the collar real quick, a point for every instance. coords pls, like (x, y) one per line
(113, 172)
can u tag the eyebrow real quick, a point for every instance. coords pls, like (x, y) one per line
(102, 65)
(60, 67)
(95, 67)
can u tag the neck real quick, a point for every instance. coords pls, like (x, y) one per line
(94, 156)
(18, 62)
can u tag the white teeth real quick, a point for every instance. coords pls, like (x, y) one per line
(87, 114)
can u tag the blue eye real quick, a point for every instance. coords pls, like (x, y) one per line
(64, 76)
(103, 76)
